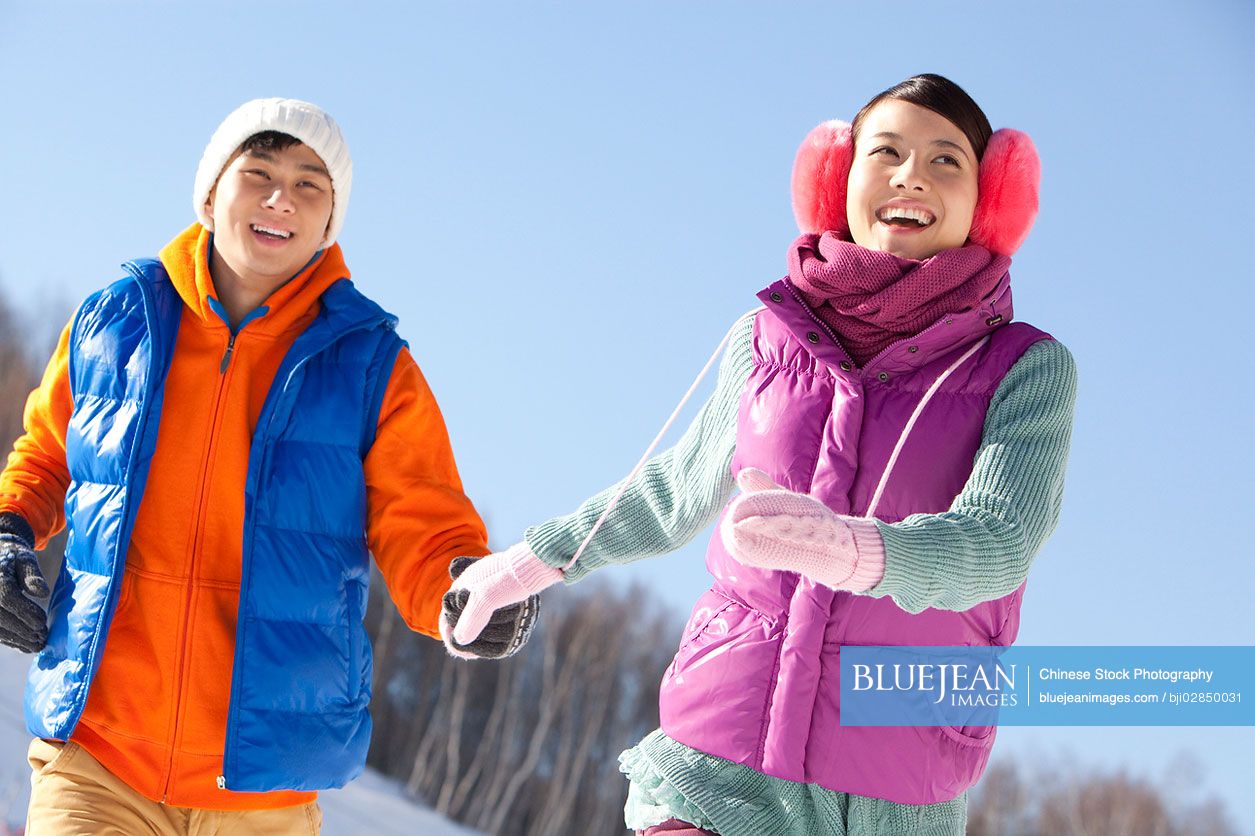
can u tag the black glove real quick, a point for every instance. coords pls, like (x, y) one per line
(508, 629)
(23, 623)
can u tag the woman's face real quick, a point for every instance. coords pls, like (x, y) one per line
(912, 188)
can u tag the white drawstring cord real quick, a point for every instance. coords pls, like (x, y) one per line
(665, 427)
(897, 448)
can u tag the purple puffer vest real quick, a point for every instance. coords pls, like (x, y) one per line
(757, 677)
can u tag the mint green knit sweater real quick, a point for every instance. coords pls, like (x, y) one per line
(978, 550)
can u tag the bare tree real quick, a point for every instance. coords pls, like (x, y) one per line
(1067, 799)
(485, 804)
(453, 746)
(433, 737)
(556, 691)
(490, 744)
(24, 346)
(585, 724)
(530, 744)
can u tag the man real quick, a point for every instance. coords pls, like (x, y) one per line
(233, 430)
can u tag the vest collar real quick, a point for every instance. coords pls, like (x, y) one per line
(947, 333)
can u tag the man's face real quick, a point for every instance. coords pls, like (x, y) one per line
(270, 210)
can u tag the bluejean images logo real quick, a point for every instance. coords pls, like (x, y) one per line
(1047, 686)
(954, 683)
(925, 686)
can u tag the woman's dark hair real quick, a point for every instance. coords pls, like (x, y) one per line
(267, 141)
(943, 97)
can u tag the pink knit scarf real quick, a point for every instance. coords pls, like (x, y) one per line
(871, 299)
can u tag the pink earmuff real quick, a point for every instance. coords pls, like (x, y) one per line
(1005, 209)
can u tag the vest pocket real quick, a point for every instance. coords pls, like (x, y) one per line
(714, 696)
(969, 735)
(709, 607)
(127, 582)
(359, 649)
(718, 620)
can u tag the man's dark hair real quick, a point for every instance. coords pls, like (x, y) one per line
(943, 97)
(267, 141)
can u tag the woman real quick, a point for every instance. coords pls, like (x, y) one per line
(900, 447)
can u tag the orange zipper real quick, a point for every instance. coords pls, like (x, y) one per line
(224, 372)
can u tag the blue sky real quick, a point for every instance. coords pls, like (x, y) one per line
(567, 204)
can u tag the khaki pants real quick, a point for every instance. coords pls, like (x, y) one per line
(73, 795)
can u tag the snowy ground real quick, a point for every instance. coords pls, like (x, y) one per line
(372, 804)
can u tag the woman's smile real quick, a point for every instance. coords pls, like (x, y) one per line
(913, 182)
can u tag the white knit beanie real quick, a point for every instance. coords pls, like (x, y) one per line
(308, 123)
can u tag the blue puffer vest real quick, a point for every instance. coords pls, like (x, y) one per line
(298, 717)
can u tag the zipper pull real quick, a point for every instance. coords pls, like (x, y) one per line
(222, 782)
(226, 358)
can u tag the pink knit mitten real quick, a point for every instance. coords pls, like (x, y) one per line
(493, 583)
(773, 528)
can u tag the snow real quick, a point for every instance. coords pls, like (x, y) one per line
(375, 804)
(371, 804)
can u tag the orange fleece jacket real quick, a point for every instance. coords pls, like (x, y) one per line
(157, 710)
